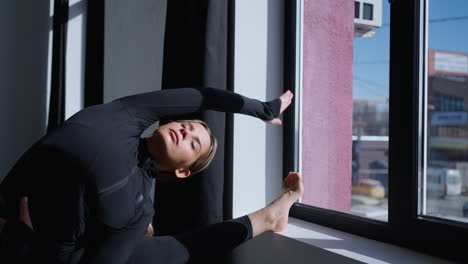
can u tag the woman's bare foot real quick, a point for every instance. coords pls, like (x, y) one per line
(274, 217)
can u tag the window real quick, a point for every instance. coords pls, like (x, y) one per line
(75, 58)
(414, 128)
(446, 138)
(345, 168)
(356, 9)
(368, 11)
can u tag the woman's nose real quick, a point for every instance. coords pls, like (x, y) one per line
(184, 132)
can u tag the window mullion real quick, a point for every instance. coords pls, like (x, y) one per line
(403, 137)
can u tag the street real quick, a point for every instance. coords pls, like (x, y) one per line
(369, 207)
(449, 207)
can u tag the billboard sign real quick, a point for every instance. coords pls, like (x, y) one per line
(449, 118)
(449, 62)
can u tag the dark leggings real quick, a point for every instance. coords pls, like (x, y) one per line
(208, 243)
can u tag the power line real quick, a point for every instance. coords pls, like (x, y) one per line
(445, 19)
(373, 62)
(371, 91)
(439, 20)
(379, 85)
(377, 91)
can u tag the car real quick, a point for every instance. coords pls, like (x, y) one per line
(369, 187)
(454, 182)
(441, 182)
(465, 209)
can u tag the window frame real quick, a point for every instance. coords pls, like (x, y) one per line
(405, 226)
(357, 9)
(57, 83)
(94, 59)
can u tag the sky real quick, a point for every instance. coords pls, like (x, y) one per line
(448, 30)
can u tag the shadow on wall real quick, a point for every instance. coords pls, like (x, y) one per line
(133, 44)
(274, 75)
(24, 26)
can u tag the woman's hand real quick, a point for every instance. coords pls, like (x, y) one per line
(24, 212)
(286, 99)
(23, 215)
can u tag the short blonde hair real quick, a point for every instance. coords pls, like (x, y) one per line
(149, 230)
(205, 159)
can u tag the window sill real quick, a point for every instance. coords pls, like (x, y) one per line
(352, 246)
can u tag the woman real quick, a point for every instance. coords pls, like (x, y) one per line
(88, 182)
(209, 243)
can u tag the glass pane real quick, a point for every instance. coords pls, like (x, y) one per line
(356, 9)
(344, 109)
(368, 12)
(75, 62)
(446, 180)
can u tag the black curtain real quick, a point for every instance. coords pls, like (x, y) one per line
(94, 62)
(197, 54)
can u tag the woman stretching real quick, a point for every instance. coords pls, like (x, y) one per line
(88, 182)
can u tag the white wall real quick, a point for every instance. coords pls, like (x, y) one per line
(134, 38)
(258, 74)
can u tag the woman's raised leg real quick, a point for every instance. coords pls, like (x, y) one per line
(274, 217)
(216, 240)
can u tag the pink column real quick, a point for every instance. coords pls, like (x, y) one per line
(327, 103)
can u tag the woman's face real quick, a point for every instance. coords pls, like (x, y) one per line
(179, 144)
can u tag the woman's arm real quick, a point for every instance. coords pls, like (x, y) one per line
(225, 101)
(152, 106)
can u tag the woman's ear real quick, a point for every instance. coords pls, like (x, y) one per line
(182, 173)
